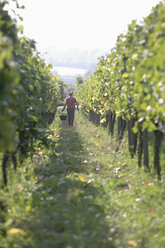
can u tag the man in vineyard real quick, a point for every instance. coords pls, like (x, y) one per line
(70, 103)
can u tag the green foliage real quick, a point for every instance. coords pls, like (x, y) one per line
(130, 80)
(130, 83)
(82, 195)
(9, 79)
(62, 85)
(29, 91)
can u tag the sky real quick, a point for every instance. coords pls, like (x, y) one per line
(59, 26)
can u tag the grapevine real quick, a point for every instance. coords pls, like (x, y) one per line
(29, 94)
(129, 84)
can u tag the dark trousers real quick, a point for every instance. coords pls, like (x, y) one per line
(70, 114)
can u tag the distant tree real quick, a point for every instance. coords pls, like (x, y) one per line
(69, 88)
(87, 74)
(79, 80)
(62, 89)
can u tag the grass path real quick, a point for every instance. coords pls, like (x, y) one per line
(73, 214)
(84, 195)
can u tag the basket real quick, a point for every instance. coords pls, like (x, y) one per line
(63, 117)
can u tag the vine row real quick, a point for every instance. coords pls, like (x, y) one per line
(29, 94)
(128, 87)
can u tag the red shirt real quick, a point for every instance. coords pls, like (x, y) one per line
(70, 102)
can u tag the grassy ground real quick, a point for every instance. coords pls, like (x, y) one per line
(81, 194)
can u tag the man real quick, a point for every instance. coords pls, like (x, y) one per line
(70, 103)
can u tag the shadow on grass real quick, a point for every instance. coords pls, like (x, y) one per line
(70, 212)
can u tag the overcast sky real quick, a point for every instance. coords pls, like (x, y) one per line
(83, 24)
(61, 25)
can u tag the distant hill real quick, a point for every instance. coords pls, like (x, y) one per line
(74, 58)
(68, 73)
(68, 79)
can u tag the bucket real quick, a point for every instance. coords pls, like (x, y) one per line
(63, 117)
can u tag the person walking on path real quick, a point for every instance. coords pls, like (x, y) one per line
(70, 103)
